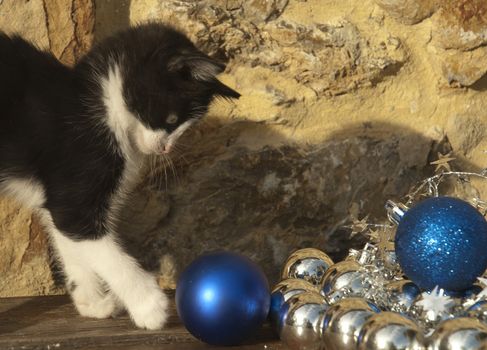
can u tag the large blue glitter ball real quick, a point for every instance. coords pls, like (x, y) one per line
(222, 298)
(442, 241)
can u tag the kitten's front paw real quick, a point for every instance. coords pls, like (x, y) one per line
(151, 313)
(98, 307)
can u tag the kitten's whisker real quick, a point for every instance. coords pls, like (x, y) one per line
(150, 175)
(161, 167)
(180, 144)
(169, 160)
(156, 173)
(174, 169)
(165, 171)
(180, 152)
(181, 156)
(151, 172)
(180, 148)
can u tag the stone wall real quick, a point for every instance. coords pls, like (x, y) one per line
(343, 106)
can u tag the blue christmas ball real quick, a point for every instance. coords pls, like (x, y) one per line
(472, 291)
(222, 298)
(441, 241)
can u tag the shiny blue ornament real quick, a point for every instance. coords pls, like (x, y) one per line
(471, 292)
(441, 242)
(222, 298)
(467, 293)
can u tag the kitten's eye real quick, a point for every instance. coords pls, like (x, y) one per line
(172, 119)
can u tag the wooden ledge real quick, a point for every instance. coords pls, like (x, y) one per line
(51, 322)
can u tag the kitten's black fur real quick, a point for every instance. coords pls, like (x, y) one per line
(50, 115)
(72, 142)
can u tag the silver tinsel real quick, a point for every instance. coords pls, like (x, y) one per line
(371, 277)
(382, 286)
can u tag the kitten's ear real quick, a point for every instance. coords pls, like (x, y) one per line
(204, 69)
(222, 90)
(200, 67)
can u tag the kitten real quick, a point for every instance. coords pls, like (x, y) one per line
(72, 141)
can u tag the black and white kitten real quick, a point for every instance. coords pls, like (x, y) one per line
(72, 142)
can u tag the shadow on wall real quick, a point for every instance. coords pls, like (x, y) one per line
(270, 201)
(266, 201)
(481, 84)
(111, 16)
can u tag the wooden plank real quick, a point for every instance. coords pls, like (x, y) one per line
(52, 322)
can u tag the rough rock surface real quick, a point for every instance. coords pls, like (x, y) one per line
(464, 68)
(343, 106)
(409, 11)
(23, 261)
(26, 18)
(70, 27)
(461, 25)
(466, 132)
(331, 57)
(458, 33)
(459, 30)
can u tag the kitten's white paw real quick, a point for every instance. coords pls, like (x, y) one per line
(151, 311)
(98, 307)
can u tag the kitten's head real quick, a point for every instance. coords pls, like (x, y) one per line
(165, 82)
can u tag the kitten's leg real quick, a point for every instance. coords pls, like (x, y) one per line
(89, 295)
(85, 287)
(137, 289)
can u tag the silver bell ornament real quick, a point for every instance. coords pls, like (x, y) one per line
(390, 260)
(458, 334)
(309, 264)
(343, 279)
(300, 329)
(390, 331)
(282, 292)
(343, 321)
(402, 295)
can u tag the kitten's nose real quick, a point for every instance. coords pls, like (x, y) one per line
(165, 149)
